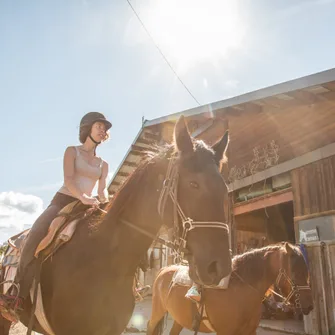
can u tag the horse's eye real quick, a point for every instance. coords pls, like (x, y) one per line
(194, 184)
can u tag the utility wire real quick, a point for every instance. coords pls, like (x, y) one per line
(160, 51)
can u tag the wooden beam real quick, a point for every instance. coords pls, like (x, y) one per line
(314, 215)
(308, 158)
(137, 153)
(306, 97)
(139, 148)
(123, 174)
(329, 86)
(145, 141)
(116, 183)
(130, 164)
(150, 136)
(268, 200)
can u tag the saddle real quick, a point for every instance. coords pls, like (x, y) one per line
(182, 278)
(60, 231)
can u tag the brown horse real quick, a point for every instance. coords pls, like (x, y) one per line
(87, 284)
(236, 310)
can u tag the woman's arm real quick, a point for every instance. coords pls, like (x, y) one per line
(102, 189)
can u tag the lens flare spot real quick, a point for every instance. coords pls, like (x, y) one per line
(138, 320)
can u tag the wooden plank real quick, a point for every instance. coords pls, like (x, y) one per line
(150, 136)
(137, 153)
(329, 86)
(314, 189)
(307, 97)
(139, 148)
(310, 157)
(296, 131)
(131, 164)
(123, 174)
(296, 192)
(145, 141)
(314, 215)
(262, 202)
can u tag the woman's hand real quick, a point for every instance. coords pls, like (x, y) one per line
(90, 201)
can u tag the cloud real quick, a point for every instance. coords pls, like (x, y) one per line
(18, 212)
(21, 202)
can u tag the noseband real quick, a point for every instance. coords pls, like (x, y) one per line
(295, 289)
(282, 275)
(169, 189)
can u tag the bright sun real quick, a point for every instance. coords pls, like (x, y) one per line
(194, 31)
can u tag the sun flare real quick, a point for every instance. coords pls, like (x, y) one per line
(193, 31)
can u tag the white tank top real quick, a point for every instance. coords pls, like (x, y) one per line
(85, 175)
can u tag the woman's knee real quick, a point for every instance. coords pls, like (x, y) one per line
(41, 225)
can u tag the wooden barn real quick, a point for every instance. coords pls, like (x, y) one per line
(280, 172)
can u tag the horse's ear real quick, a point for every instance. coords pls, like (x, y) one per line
(287, 248)
(220, 147)
(182, 137)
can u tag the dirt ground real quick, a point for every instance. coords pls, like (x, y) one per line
(137, 324)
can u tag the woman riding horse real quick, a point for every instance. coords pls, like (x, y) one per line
(82, 170)
(87, 285)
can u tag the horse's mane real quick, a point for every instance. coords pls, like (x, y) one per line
(250, 264)
(152, 155)
(126, 191)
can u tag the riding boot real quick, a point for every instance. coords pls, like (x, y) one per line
(193, 293)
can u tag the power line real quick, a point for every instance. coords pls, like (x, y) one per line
(160, 51)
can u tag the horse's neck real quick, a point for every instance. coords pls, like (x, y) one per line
(263, 276)
(128, 245)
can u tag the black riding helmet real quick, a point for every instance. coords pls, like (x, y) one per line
(91, 117)
(88, 120)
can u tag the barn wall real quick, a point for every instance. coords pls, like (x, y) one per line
(296, 130)
(314, 187)
(314, 199)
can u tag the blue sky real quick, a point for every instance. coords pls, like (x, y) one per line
(61, 59)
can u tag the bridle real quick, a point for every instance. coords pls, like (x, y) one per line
(295, 289)
(294, 292)
(169, 189)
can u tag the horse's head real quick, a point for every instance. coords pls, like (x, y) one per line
(293, 278)
(199, 195)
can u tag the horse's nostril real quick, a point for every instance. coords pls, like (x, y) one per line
(212, 269)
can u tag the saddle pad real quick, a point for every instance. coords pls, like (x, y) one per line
(182, 278)
(51, 243)
(17, 241)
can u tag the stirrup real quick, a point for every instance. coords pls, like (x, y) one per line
(10, 304)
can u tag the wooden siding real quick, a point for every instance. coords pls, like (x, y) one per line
(314, 195)
(321, 259)
(314, 187)
(295, 130)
